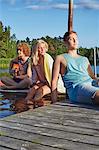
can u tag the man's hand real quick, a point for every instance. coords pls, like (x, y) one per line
(54, 96)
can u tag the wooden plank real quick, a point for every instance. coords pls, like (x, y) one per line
(60, 127)
(48, 141)
(72, 111)
(77, 105)
(46, 121)
(59, 115)
(84, 138)
(14, 91)
(16, 144)
(5, 148)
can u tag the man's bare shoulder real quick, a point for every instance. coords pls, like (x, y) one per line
(60, 58)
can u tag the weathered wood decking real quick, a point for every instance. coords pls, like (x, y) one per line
(60, 126)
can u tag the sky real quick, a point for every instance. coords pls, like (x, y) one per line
(39, 18)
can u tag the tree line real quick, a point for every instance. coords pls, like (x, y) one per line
(8, 44)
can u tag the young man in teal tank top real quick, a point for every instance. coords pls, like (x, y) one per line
(77, 74)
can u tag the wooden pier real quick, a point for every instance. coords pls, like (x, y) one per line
(60, 126)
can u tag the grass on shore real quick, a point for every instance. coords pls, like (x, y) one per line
(4, 63)
(4, 74)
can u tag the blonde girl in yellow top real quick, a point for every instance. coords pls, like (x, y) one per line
(41, 73)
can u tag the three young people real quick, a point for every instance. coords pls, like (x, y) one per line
(75, 69)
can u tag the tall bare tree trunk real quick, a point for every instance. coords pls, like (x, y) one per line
(70, 16)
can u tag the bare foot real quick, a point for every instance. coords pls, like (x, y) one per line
(30, 103)
(39, 103)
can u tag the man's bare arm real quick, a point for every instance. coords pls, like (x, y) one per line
(92, 75)
(56, 70)
(90, 72)
(55, 73)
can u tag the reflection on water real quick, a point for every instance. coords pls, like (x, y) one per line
(4, 70)
(10, 103)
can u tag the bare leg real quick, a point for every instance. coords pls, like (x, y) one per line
(8, 81)
(38, 98)
(25, 83)
(30, 95)
(44, 90)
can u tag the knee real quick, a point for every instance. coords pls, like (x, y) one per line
(3, 78)
(27, 80)
(46, 90)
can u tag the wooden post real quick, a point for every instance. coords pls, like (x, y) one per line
(95, 65)
(70, 16)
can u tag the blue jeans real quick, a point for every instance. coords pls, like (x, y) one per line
(86, 92)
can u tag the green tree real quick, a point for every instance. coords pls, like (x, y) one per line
(7, 43)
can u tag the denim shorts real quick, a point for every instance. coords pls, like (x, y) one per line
(86, 92)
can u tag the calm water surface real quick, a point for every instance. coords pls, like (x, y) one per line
(7, 103)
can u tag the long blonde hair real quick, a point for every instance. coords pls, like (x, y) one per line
(35, 56)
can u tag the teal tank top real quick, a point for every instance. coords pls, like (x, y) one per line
(75, 74)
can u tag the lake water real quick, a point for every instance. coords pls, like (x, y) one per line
(8, 102)
(4, 70)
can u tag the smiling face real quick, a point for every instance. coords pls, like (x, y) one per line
(23, 50)
(72, 41)
(38, 50)
(20, 53)
(41, 48)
